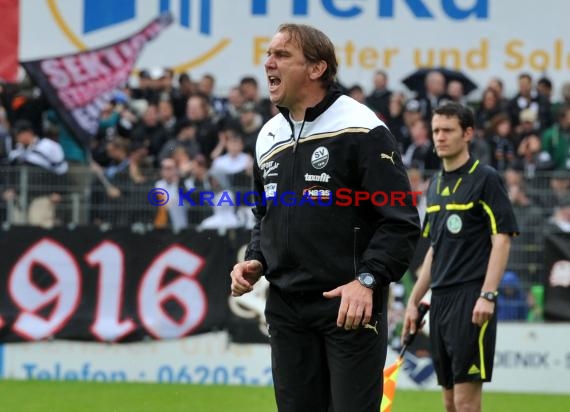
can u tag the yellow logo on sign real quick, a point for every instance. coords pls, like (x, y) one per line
(183, 67)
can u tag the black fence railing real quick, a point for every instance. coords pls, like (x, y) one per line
(84, 197)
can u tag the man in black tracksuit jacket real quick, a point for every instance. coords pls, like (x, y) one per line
(329, 261)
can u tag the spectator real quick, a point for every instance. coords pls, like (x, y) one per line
(498, 86)
(111, 191)
(43, 155)
(544, 88)
(418, 184)
(250, 91)
(165, 85)
(113, 121)
(501, 142)
(185, 138)
(357, 93)
(234, 105)
(412, 113)
(528, 98)
(525, 257)
(33, 150)
(144, 90)
(150, 133)
(395, 119)
(420, 153)
(198, 111)
(512, 302)
(490, 107)
(565, 94)
(166, 117)
(456, 92)
(556, 142)
(433, 95)
(379, 99)
(184, 91)
(560, 219)
(558, 190)
(250, 123)
(235, 160)
(73, 150)
(176, 214)
(528, 143)
(206, 87)
(224, 202)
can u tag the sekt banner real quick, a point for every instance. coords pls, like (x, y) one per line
(78, 85)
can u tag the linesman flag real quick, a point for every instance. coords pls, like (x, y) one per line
(391, 372)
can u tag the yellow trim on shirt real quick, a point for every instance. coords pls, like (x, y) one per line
(433, 208)
(489, 211)
(459, 206)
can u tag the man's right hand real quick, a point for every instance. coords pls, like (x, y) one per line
(244, 275)
(410, 319)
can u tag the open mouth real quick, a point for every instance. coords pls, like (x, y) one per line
(274, 81)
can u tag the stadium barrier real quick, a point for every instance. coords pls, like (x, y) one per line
(529, 358)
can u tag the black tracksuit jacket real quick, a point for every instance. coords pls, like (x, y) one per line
(341, 144)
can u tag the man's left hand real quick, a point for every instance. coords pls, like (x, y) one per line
(482, 312)
(355, 304)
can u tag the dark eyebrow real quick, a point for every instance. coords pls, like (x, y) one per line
(279, 51)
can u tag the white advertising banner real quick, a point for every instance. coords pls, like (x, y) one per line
(228, 38)
(529, 358)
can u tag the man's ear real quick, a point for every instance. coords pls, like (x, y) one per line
(468, 134)
(317, 69)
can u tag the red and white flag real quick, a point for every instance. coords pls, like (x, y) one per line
(9, 40)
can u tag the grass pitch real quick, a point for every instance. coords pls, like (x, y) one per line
(40, 396)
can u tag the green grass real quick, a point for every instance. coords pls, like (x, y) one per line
(35, 396)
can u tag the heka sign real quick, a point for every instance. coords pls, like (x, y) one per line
(386, 9)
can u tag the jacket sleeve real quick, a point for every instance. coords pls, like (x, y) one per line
(253, 250)
(397, 227)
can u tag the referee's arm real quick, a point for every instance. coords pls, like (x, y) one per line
(418, 292)
(501, 245)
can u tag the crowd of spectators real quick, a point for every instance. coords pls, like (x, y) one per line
(173, 132)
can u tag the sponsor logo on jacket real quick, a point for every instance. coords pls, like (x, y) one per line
(268, 169)
(322, 178)
(317, 192)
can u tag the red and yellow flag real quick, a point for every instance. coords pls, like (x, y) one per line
(390, 379)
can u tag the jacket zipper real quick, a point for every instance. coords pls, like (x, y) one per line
(293, 186)
(355, 250)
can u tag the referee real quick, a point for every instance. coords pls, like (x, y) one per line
(469, 222)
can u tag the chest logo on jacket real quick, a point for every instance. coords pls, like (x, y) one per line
(320, 157)
(389, 157)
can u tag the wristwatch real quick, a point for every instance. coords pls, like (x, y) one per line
(490, 296)
(367, 280)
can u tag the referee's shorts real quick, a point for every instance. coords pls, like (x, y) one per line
(461, 351)
(319, 367)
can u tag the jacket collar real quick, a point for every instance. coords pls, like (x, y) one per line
(311, 113)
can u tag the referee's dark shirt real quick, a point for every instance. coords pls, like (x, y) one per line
(464, 208)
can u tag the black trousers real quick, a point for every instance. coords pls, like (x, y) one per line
(319, 367)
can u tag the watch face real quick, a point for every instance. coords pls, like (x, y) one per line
(367, 279)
